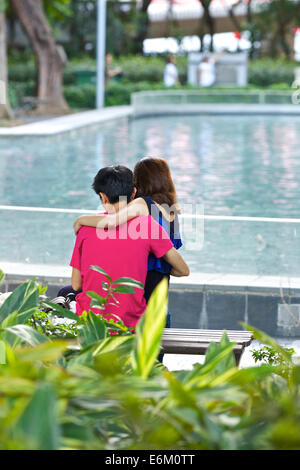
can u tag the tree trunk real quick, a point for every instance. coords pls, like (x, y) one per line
(142, 28)
(5, 110)
(209, 21)
(50, 57)
(231, 14)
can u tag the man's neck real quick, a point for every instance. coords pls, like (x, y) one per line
(114, 208)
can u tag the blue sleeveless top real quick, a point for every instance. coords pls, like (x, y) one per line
(172, 229)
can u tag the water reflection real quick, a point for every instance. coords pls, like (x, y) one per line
(238, 165)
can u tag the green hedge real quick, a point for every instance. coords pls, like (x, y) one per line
(262, 72)
(266, 72)
(18, 90)
(118, 93)
(139, 74)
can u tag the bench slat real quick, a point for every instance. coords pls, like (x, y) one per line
(196, 341)
(205, 335)
(200, 335)
(205, 332)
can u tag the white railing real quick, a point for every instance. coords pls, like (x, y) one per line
(212, 244)
(233, 218)
(212, 96)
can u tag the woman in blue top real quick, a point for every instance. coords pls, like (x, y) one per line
(156, 196)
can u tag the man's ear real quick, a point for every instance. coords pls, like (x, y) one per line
(104, 198)
(134, 193)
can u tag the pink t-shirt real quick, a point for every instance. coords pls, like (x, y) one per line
(121, 252)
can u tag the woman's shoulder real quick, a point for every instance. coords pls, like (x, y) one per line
(141, 205)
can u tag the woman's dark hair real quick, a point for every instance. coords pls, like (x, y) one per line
(152, 177)
(114, 182)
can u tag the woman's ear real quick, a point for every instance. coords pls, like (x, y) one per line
(134, 193)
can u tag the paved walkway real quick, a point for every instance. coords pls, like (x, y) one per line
(67, 123)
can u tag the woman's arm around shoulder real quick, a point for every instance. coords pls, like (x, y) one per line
(135, 208)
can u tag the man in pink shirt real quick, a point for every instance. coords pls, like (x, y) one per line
(121, 252)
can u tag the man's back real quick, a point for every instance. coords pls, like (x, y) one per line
(121, 252)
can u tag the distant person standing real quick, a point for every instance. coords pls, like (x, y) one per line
(171, 72)
(207, 70)
(110, 71)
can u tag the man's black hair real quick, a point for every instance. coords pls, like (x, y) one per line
(114, 182)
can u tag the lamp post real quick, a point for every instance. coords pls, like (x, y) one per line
(101, 48)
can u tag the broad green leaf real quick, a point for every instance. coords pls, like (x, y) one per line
(202, 374)
(95, 304)
(94, 295)
(27, 334)
(63, 312)
(149, 332)
(2, 352)
(127, 281)
(39, 421)
(10, 320)
(228, 361)
(24, 300)
(112, 343)
(124, 290)
(113, 354)
(250, 375)
(180, 392)
(101, 271)
(2, 276)
(8, 337)
(93, 330)
(16, 386)
(49, 351)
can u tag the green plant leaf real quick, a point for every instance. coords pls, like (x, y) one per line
(16, 386)
(149, 332)
(27, 334)
(228, 361)
(62, 312)
(100, 300)
(2, 276)
(8, 337)
(112, 343)
(124, 290)
(48, 351)
(2, 352)
(93, 330)
(101, 271)
(127, 281)
(24, 300)
(39, 422)
(266, 339)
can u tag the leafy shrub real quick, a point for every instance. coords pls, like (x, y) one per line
(19, 90)
(266, 72)
(118, 93)
(140, 73)
(103, 391)
(22, 72)
(81, 96)
(270, 355)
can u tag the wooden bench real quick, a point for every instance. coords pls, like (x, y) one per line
(194, 341)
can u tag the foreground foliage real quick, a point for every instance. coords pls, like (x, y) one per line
(95, 390)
